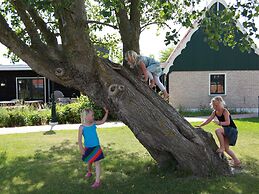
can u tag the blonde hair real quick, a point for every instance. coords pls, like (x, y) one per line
(217, 99)
(84, 113)
(133, 55)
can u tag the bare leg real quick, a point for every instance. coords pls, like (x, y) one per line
(151, 78)
(98, 171)
(89, 167)
(220, 135)
(161, 86)
(152, 83)
(230, 152)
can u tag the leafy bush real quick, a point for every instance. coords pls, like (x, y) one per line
(3, 117)
(16, 118)
(69, 113)
(33, 119)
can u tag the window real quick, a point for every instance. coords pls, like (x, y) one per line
(32, 88)
(217, 84)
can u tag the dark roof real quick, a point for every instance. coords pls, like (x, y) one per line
(198, 56)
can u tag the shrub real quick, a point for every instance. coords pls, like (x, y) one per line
(33, 119)
(69, 113)
(15, 119)
(3, 117)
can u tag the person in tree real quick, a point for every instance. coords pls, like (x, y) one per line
(227, 132)
(150, 68)
(91, 151)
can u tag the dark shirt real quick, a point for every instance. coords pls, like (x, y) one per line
(222, 119)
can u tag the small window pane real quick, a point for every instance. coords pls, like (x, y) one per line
(217, 84)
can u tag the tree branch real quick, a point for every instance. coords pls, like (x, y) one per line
(152, 23)
(16, 45)
(34, 58)
(102, 23)
(75, 34)
(29, 25)
(42, 26)
(135, 13)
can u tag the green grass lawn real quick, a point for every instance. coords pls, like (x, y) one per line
(38, 163)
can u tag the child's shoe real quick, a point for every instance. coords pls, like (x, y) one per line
(96, 185)
(88, 175)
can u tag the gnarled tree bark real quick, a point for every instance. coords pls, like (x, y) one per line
(167, 136)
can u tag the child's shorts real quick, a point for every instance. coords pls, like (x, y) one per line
(93, 154)
(231, 133)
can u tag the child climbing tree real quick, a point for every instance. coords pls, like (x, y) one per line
(30, 29)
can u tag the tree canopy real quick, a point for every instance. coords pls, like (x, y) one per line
(131, 17)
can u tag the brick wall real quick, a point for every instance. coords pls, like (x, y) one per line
(191, 89)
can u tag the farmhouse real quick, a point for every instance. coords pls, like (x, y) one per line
(196, 73)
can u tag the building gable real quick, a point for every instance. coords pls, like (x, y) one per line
(198, 56)
(194, 54)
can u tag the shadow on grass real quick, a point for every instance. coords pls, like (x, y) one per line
(50, 132)
(60, 170)
(3, 158)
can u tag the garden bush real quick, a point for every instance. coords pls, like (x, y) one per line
(33, 119)
(16, 118)
(69, 113)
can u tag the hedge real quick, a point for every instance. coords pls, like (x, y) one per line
(28, 116)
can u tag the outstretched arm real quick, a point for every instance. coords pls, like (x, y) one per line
(80, 143)
(211, 117)
(104, 117)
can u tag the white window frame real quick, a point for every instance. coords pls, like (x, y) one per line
(225, 84)
(44, 81)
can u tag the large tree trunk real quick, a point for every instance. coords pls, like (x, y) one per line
(168, 137)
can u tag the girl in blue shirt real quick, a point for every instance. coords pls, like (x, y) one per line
(91, 150)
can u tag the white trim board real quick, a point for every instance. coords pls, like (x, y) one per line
(182, 44)
(15, 67)
(225, 84)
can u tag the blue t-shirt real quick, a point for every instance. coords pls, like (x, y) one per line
(90, 136)
(148, 61)
(152, 65)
